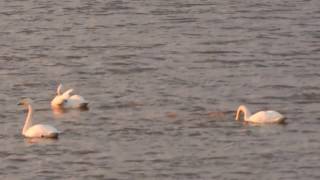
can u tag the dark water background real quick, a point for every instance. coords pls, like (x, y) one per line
(163, 79)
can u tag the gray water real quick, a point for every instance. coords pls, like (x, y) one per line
(163, 79)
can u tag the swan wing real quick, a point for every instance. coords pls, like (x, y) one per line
(42, 131)
(78, 98)
(59, 89)
(267, 117)
(77, 101)
(67, 94)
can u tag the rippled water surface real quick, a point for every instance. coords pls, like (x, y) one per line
(163, 79)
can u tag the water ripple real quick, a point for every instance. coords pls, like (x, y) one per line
(164, 80)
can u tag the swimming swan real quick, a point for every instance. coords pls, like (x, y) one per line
(38, 130)
(67, 101)
(260, 117)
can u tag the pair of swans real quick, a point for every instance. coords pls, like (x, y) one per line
(61, 101)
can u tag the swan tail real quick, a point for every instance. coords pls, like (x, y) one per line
(84, 106)
(54, 135)
(282, 120)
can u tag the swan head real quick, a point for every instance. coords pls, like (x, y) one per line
(61, 98)
(59, 101)
(25, 102)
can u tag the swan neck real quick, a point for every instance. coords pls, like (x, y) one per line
(245, 111)
(28, 121)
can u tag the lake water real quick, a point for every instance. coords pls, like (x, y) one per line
(164, 79)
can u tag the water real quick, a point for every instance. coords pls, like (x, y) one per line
(163, 80)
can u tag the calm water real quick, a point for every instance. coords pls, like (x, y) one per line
(164, 79)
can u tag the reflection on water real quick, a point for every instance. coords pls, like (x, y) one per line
(59, 112)
(42, 141)
(163, 80)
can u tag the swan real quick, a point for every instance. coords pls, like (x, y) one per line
(261, 116)
(67, 101)
(38, 130)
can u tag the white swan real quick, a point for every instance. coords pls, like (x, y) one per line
(38, 130)
(67, 101)
(261, 116)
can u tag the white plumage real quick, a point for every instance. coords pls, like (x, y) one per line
(261, 116)
(67, 101)
(41, 131)
(38, 130)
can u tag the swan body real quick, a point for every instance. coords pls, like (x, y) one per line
(67, 101)
(38, 130)
(261, 116)
(41, 131)
(76, 101)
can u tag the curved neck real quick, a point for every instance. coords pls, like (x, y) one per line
(28, 121)
(245, 111)
(59, 89)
